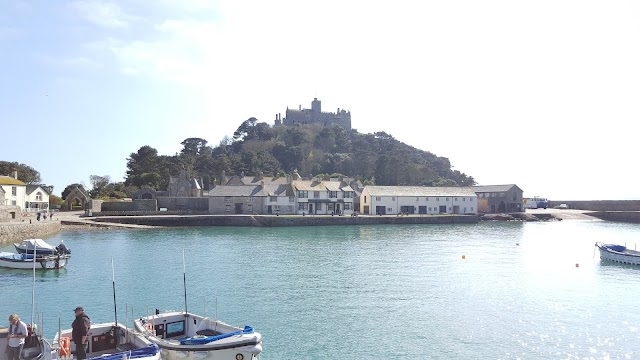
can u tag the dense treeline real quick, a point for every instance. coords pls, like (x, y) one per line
(257, 147)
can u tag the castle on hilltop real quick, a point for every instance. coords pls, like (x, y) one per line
(315, 116)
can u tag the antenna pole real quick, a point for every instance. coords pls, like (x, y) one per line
(113, 282)
(184, 281)
(33, 288)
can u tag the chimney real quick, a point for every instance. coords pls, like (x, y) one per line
(15, 174)
(299, 107)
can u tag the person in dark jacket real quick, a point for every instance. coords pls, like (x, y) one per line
(80, 332)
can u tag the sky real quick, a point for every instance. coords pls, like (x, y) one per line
(543, 94)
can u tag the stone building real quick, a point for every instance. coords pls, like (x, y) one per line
(324, 197)
(499, 198)
(77, 199)
(10, 213)
(392, 200)
(315, 115)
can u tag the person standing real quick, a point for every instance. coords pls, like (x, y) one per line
(80, 331)
(17, 334)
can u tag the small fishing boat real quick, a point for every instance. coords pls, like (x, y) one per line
(25, 261)
(618, 253)
(41, 247)
(181, 334)
(107, 341)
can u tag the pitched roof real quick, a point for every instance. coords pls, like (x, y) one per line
(32, 188)
(493, 188)
(237, 190)
(8, 180)
(278, 190)
(419, 191)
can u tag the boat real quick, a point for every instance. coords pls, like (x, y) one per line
(26, 262)
(42, 247)
(107, 341)
(618, 253)
(179, 333)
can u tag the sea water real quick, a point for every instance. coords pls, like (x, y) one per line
(522, 290)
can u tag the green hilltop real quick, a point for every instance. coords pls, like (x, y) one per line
(257, 147)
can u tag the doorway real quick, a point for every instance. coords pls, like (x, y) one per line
(238, 208)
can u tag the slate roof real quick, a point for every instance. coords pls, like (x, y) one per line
(236, 190)
(494, 188)
(32, 188)
(8, 180)
(256, 180)
(419, 191)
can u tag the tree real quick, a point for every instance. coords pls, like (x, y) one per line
(98, 185)
(26, 173)
(246, 128)
(195, 146)
(55, 201)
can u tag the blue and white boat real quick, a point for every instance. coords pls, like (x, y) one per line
(107, 341)
(41, 247)
(618, 253)
(25, 261)
(181, 334)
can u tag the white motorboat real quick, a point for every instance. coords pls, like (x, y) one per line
(618, 253)
(107, 341)
(41, 247)
(184, 335)
(25, 261)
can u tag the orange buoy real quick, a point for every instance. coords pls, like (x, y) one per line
(149, 327)
(65, 347)
(463, 257)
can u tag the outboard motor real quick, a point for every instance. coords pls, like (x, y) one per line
(62, 249)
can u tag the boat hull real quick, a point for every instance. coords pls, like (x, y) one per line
(618, 253)
(42, 263)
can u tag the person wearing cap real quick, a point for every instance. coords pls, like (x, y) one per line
(17, 334)
(80, 331)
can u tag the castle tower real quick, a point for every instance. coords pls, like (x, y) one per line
(315, 106)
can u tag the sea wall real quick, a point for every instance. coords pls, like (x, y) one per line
(622, 216)
(15, 232)
(275, 221)
(599, 205)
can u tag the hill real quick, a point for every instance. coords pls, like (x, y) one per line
(256, 147)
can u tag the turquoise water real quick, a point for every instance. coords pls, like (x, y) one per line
(378, 292)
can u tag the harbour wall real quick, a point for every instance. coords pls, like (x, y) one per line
(599, 205)
(622, 216)
(278, 221)
(15, 232)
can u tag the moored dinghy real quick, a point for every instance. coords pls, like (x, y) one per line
(181, 334)
(107, 341)
(618, 253)
(25, 261)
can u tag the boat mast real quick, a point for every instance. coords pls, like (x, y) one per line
(184, 281)
(33, 288)
(113, 282)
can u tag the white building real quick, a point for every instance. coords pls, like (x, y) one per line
(376, 200)
(323, 197)
(30, 198)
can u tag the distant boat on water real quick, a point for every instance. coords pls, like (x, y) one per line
(25, 261)
(618, 253)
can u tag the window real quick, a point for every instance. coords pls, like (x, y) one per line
(316, 194)
(378, 198)
(449, 208)
(347, 206)
(292, 199)
(277, 207)
(464, 199)
(303, 206)
(429, 208)
(472, 208)
(333, 194)
(13, 202)
(319, 206)
(446, 199)
(273, 198)
(250, 199)
(365, 199)
(14, 191)
(470, 199)
(303, 194)
(426, 198)
(348, 194)
(417, 199)
(389, 209)
(227, 199)
(26, 205)
(330, 207)
(437, 199)
(393, 198)
(39, 196)
(455, 199)
(250, 208)
(227, 208)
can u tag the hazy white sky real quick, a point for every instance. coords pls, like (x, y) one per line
(543, 94)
